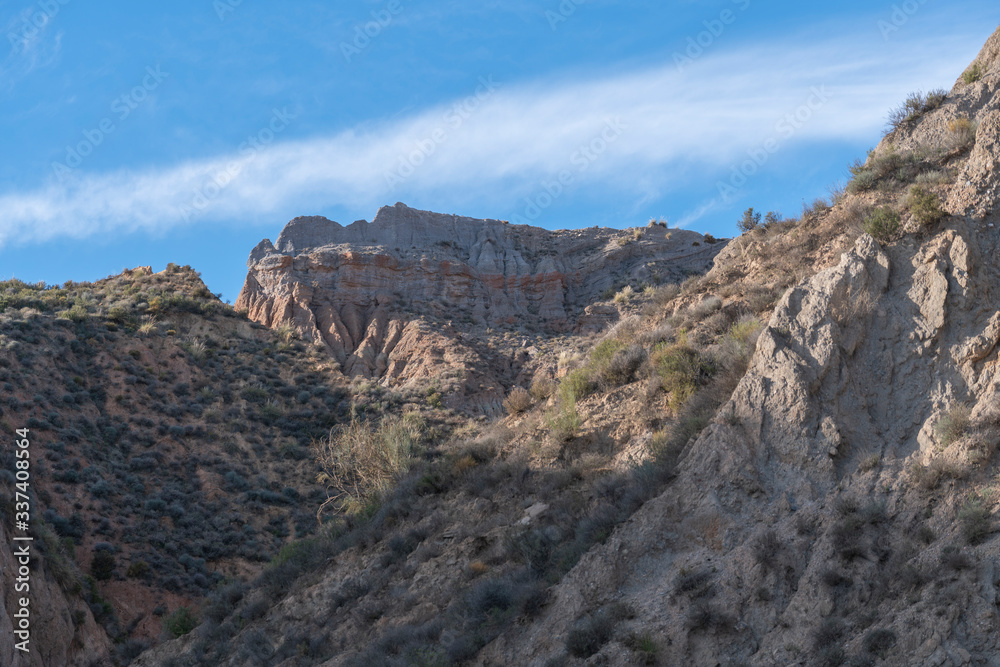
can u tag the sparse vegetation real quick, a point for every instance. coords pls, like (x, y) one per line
(953, 425)
(973, 74)
(887, 170)
(882, 223)
(925, 207)
(916, 105)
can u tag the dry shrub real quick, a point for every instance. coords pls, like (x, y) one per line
(361, 460)
(542, 388)
(930, 476)
(760, 298)
(664, 294)
(975, 520)
(953, 425)
(623, 365)
(963, 133)
(517, 401)
(705, 308)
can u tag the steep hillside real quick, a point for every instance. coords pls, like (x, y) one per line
(171, 450)
(415, 296)
(840, 507)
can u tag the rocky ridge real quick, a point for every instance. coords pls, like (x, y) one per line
(406, 298)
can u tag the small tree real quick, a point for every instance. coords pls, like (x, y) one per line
(103, 565)
(180, 622)
(750, 220)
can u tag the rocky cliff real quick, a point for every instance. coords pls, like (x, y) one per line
(408, 297)
(62, 630)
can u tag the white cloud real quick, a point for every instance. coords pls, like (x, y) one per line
(706, 116)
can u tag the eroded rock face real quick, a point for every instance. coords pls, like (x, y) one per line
(858, 363)
(56, 637)
(393, 298)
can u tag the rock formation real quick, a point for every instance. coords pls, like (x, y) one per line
(401, 299)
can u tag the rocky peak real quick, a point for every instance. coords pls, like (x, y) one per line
(376, 294)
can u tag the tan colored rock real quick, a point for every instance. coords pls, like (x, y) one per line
(55, 638)
(361, 290)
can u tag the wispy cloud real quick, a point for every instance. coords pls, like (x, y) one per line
(33, 43)
(701, 117)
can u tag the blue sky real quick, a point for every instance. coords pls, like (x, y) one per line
(187, 131)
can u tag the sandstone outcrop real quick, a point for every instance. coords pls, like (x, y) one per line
(400, 299)
(63, 631)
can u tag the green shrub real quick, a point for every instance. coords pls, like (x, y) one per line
(576, 385)
(565, 422)
(953, 425)
(975, 519)
(863, 181)
(882, 223)
(644, 646)
(138, 569)
(180, 622)
(602, 353)
(889, 168)
(77, 313)
(973, 74)
(681, 370)
(435, 400)
(102, 566)
(924, 206)
(750, 220)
